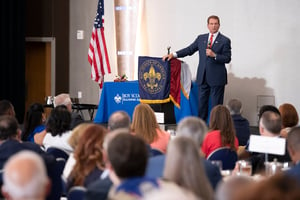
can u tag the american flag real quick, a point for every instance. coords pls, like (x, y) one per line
(97, 55)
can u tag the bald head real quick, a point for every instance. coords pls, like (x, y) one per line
(25, 176)
(119, 119)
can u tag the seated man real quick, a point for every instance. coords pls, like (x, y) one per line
(6, 108)
(64, 99)
(194, 128)
(270, 126)
(241, 124)
(10, 140)
(119, 119)
(25, 177)
(125, 170)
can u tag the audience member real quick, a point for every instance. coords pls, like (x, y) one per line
(10, 140)
(89, 157)
(243, 152)
(58, 129)
(73, 141)
(289, 118)
(293, 142)
(270, 126)
(277, 187)
(184, 167)
(144, 125)
(34, 122)
(25, 177)
(221, 133)
(99, 188)
(228, 190)
(6, 108)
(125, 170)
(64, 99)
(241, 124)
(194, 128)
(119, 119)
(265, 108)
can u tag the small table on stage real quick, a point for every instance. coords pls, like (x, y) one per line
(79, 107)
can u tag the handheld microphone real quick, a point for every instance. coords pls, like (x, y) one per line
(209, 44)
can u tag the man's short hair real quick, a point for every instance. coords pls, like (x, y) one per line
(271, 121)
(194, 128)
(213, 17)
(8, 127)
(119, 119)
(293, 139)
(6, 108)
(234, 106)
(25, 176)
(128, 155)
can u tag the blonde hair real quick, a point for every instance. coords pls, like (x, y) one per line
(184, 166)
(76, 134)
(144, 123)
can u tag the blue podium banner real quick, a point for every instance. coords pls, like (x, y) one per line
(125, 96)
(117, 96)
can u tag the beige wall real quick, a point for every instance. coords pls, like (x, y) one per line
(264, 44)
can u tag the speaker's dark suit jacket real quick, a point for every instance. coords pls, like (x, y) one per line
(214, 68)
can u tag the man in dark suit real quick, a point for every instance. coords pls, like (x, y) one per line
(241, 124)
(10, 144)
(214, 51)
(195, 129)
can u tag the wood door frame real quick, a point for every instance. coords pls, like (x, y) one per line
(52, 43)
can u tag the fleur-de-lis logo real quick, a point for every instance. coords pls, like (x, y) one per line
(152, 76)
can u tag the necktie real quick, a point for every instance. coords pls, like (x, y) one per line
(210, 41)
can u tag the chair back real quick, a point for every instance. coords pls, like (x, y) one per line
(155, 152)
(76, 193)
(226, 155)
(57, 153)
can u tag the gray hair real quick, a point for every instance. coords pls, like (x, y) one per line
(62, 99)
(118, 119)
(194, 128)
(234, 106)
(25, 176)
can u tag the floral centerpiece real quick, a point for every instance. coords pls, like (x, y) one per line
(122, 78)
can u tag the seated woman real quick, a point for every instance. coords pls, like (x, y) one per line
(184, 167)
(34, 122)
(88, 154)
(289, 118)
(58, 129)
(74, 139)
(144, 124)
(222, 133)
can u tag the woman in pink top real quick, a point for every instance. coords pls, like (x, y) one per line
(222, 132)
(144, 124)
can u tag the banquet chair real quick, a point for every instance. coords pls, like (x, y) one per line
(57, 153)
(77, 193)
(226, 155)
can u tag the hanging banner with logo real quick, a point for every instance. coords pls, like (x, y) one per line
(154, 80)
